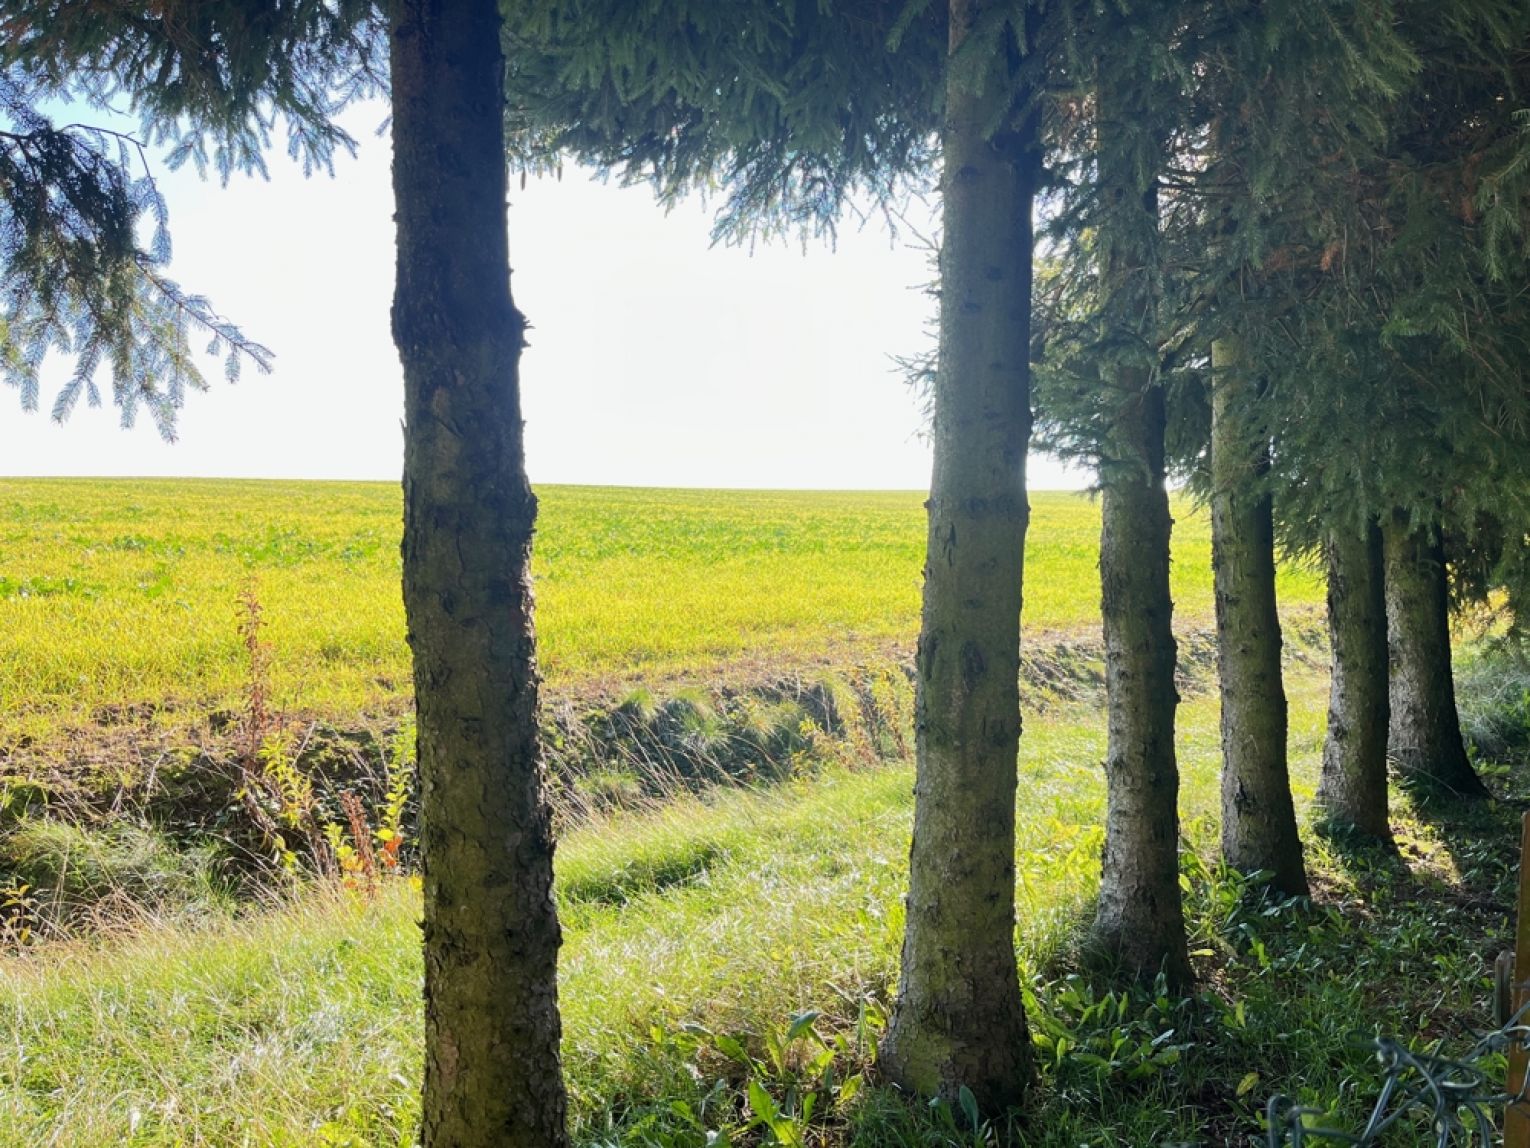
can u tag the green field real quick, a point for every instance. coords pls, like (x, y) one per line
(696, 926)
(125, 593)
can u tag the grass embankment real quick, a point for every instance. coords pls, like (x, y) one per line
(119, 599)
(696, 932)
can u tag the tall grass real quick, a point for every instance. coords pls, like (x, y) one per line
(723, 915)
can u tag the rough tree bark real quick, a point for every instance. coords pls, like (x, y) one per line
(1140, 918)
(492, 1071)
(959, 1019)
(1352, 789)
(1258, 814)
(1424, 738)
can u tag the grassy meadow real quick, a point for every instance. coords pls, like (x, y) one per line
(124, 595)
(695, 933)
(733, 914)
(730, 950)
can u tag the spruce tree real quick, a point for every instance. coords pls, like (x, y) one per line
(958, 1020)
(1452, 290)
(1258, 814)
(1139, 918)
(1300, 94)
(1256, 107)
(787, 111)
(492, 1065)
(1352, 788)
(1424, 730)
(211, 79)
(1105, 400)
(1396, 364)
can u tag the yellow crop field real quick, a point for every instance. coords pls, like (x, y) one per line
(126, 593)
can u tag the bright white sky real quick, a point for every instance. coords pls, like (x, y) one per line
(655, 358)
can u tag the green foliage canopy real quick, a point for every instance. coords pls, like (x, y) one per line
(787, 108)
(208, 81)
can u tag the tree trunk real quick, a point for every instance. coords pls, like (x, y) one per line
(1425, 734)
(1140, 919)
(959, 1019)
(1352, 790)
(1258, 815)
(492, 1071)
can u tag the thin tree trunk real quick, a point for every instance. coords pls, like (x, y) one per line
(492, 1071)
(1140, 918)
(1258, 814)
(1352, 790)
(959, 1019)
(1425, 735)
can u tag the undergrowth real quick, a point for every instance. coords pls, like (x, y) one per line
(1493, 688)
(727, 973)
